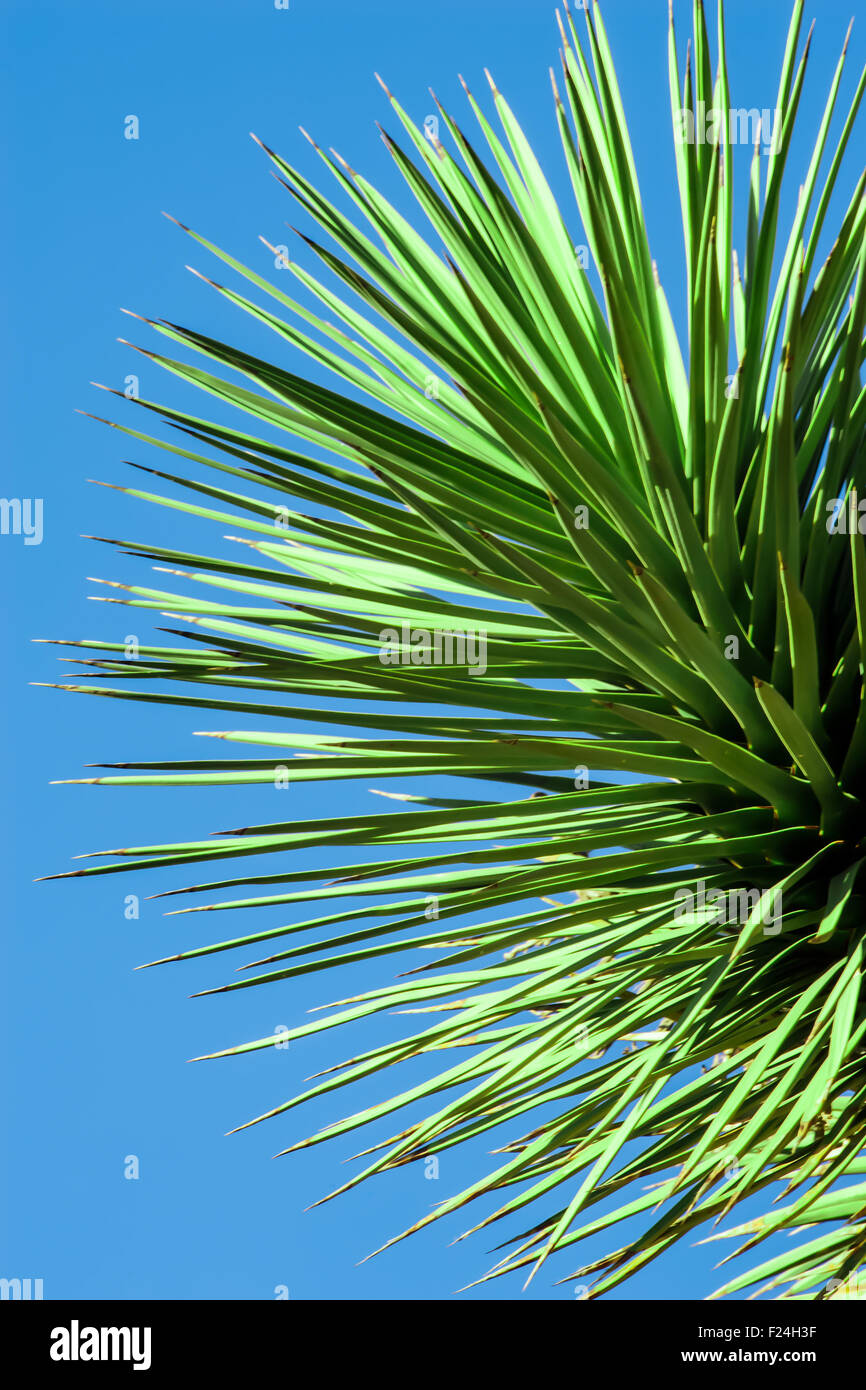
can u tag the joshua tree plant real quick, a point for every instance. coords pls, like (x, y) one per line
(541, 548)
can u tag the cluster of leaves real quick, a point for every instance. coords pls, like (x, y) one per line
(644, 542)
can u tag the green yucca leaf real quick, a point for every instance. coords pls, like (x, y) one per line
(622, 584)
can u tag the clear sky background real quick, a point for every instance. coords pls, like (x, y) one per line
(93, 1053)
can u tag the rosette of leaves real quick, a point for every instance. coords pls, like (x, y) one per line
(662, 552)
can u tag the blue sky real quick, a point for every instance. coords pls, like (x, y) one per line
(95, 1053)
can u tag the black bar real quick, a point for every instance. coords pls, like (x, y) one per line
(56, 1338)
